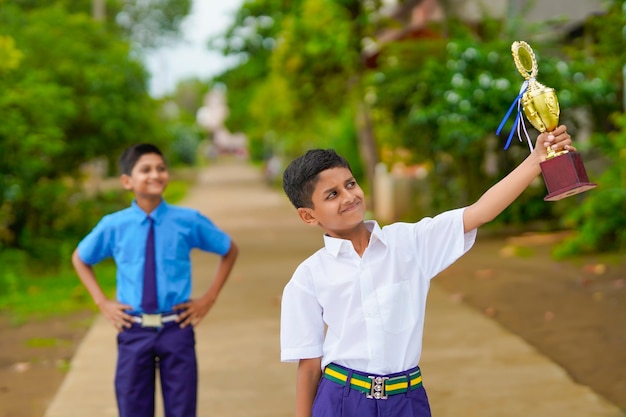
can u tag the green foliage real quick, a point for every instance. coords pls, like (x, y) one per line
(251, 39)
(68, 102)
(72, 90)
(184, 147)
(600, 220)
(10, 57)
(446, 98)
(276, 95)
(435, 100)
(316, 55)
(41, 283)
(146, 23)
(153, 22)
(176, 190)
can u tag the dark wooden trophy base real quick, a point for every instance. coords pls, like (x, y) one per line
(565, 176)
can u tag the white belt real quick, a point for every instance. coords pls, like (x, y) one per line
(154, 320)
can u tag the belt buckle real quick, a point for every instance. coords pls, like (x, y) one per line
(151, 320)
(377, 388)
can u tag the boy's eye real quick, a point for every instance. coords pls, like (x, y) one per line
(351, 184)
(147, 169)
(330, 195)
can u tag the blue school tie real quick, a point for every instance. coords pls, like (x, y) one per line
(149, 302)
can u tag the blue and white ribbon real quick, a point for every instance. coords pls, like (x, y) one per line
(519, 120)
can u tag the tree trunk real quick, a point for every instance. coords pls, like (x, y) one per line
(98, 10)
(367, 144)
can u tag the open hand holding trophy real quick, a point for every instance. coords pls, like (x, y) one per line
(563, 171)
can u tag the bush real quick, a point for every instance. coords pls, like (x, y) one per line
(601, 218)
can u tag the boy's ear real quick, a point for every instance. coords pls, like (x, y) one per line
(126, 183)
(306, 214)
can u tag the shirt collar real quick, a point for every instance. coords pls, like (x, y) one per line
(335, 246)
(157, 214)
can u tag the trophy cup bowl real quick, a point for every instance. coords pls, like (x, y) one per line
(563, 172)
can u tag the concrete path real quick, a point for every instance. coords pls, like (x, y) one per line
(471, 365)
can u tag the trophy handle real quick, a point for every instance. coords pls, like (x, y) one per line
(563, 171)
(524, 58)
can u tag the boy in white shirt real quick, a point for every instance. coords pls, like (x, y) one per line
(353, 313)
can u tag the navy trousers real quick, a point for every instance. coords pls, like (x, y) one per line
(334, 400)
(143, 351)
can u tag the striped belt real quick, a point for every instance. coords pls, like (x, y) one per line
(374, 386)
(154, 320)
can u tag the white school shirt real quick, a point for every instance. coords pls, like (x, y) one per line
(367, 313)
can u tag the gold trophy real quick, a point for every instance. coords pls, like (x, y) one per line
(563, 171)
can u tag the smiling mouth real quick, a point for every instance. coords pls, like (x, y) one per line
(351, 208)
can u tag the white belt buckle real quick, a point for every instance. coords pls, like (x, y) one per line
(151, 320)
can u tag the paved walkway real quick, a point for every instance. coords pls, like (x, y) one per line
(471, 365)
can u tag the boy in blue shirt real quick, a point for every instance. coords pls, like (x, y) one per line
(352, 315)
(151, 243)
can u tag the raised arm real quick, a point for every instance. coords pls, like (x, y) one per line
(503, 193)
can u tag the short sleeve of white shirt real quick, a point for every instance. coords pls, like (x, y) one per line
(302, 311)
(440, 240)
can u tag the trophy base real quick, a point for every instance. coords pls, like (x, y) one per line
(565, 176)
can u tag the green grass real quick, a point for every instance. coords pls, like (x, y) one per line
(46, 342)
(39, 296)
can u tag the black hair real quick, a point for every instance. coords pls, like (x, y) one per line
(301, 175)
(132, 154)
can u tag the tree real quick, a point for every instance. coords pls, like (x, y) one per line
(250, 40)
(146, 23)
(438, 98)
(300, 75)
(68, 101)
(600, 219)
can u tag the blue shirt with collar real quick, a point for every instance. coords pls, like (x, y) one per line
(177, 230)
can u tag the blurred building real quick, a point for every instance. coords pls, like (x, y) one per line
(212, 117)
(415, 16)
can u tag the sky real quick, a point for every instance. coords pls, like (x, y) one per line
(190, 57)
